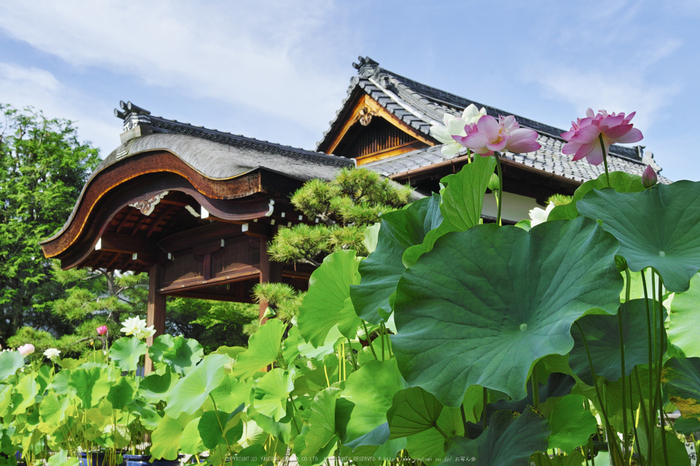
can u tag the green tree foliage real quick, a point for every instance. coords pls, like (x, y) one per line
(212, 323)
(342, 208)
(43, 167)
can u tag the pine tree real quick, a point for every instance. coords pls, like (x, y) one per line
(342, 209)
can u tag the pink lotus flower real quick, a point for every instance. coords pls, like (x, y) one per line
(583, 139)
(649, 177)
(488, 135)
(102, 330)
(26, 350)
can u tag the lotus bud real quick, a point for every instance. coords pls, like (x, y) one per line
(102, 330)
(26, 350)
(649, 177)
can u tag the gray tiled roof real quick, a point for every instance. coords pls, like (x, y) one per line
(549, 159)
(217, 154)
(419, 106)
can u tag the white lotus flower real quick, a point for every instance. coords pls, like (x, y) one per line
(454, 126)
(538, 215)
(137, 327)
(52, 353)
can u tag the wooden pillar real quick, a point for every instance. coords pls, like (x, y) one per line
(270, 272)
(156, 308)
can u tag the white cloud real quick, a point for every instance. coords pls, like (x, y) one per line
(236, 52)
(34, 87)
(609, 92)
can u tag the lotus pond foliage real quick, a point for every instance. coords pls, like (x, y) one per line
(565, 341)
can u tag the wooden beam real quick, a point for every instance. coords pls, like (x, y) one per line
(246, 272)
(156, 309)
(126, 244)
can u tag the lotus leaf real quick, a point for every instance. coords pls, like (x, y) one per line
(486, 303)
(659, 228)
(382, 269)
(571, 423)
(166, 438)
(510, 439)
(327, 303)
(685, 313)
(10, 361)
(215, 428)
(413, 411)
(271, 393)
(126, 352)
(683, 378)
(192, 391)
(620, 181)
(371, 389)
(603, 338)
(263, 348)
(90, 385)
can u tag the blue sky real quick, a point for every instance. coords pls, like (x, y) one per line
(278, 70)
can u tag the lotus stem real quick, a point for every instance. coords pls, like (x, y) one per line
(661, 361)
(352, 355)
(608, 428)
(500, 187)
(624, 390)
(605, 159)
(650, 426)
(369, 340)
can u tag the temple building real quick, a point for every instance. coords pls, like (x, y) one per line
(196, 208)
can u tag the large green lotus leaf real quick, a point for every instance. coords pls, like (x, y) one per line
(659, 228)
(126, 352)
(510, 439)
(271, 393)
(90, 385)
(192, 391)
(620, 181)
(183, 355)
(52, 411)
(156, 387)
(382, 269)
(254, 455)
(232, 393)
(675, 449)
(165, 440)
(324, 304)
(413, 411)
(322, 435)
(603, 337)
(190, 440)
(683, 382)
(571, 423)
(216, 427)
(24, 395)
(463, 198)
(486, 303)
(160, 345)
(281, 430)
(10, 361)
(146, 413)
(686, 426)
(263, 348)
(121, 392)
(429, 445)
(371, 389)
(61, 459)
(685, 313)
